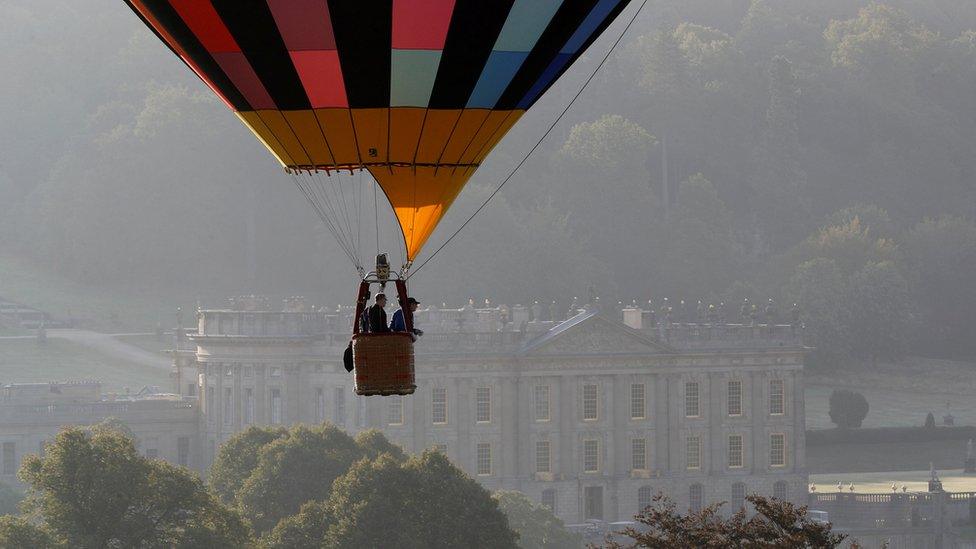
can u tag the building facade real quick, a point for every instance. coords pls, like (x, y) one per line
(589, 416)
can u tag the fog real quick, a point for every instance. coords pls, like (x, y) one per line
(803, 163)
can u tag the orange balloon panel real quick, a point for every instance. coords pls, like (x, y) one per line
(421, 157)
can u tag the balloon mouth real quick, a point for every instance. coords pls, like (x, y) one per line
(371, 166)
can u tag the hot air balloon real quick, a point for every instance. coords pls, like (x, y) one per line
(416, 92)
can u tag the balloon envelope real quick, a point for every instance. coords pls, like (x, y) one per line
(416, 91)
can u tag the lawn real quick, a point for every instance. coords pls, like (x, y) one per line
(898, 394)
(880, 483)
(23, 360)
(107, 309)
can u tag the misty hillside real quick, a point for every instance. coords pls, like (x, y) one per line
(818, 152)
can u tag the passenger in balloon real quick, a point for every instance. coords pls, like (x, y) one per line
(376, 316)
(399, 324)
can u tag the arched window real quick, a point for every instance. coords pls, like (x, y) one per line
(781, 490)
(738, 499)
(696, 496)
(644, 498)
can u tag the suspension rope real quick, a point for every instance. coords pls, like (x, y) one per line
(538, 143)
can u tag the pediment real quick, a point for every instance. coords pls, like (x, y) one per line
(592, 333)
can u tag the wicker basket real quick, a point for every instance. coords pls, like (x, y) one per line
(384, 364)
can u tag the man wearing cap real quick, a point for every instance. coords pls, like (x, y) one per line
(399, 324)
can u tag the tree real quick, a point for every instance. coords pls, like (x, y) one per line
(847, 408)
(424, 502)
(775, 524)
(373, 443)
(536, 526)
(293, 469)
(821, 292)
(92, 489)
(18, 532)
(881, 312)
(238, 457)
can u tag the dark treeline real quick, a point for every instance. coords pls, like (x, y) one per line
(816, 152)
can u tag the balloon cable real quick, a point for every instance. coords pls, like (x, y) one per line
(539, 142)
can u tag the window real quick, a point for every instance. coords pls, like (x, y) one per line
(637, 405)
(591, 456)
(692, 401)
(248, 406)
(781, 490)
(549, 499)
(275, 371)
(590, 402)
(319, 404)
(9, 458)
(152, 448)
(483, 404)
(638, 454)
(248, 371)
(210, 403)
(593, 502)
(542, 457)
(693, 452)
(275, 406)
(361, 412)
(484, 458)
(394, 412)
(735, 398)
(777, 450)
(542, 403)
(777, 400)
(228, 406)
(696, 497)
(735, 450)
(191, 389)
(738, 496)
(438, 405)
(41, 447)
(441, 448)
(340, 406)
(183, 451)
(644, 497)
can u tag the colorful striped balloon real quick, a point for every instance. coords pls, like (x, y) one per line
(418, 92)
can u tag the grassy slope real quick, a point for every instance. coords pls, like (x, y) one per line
(115, 309)
(23, 360)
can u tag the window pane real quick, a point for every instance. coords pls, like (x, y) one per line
(483, 404)
(735, 450)
(590, 404)
(777, 404)
(320, 404)
(542, 457)
(438, 405)
(780, 490)
(691, 399)
(549, 499)
(275, 406)
(696, 497)
(693, 452)
(735, 398)
(591, 456)
(484, 458)
(638, 451)
(637, 405)
(9, 458)
(340, 406)
(738, 496)
(644, 497)
(228, 406)
(777, 450)
(395, 410)
(542, 403)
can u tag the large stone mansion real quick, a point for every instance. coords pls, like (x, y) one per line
(590, 415)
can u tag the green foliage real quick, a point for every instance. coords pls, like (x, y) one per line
(536, 526)
(238, 457)
(611, 142)
(775, 524)
(18, 532)
(424, 502)
(294, 469)
(821, 292)
(881, 312)
(847, 408)
(93, 489)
